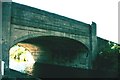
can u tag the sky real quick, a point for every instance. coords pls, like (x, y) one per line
(103, 12)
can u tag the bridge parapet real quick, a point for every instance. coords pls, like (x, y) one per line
(31, 17)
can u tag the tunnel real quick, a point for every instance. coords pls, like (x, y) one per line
(49, 56)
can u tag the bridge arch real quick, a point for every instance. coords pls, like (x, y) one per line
(70, 52)
(22, 22)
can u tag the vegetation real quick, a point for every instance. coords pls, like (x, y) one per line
(108, 60)
(22, 58)
(20, 54)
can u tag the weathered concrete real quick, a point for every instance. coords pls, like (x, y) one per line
(22, 23)
(6, 22)
(0, 38)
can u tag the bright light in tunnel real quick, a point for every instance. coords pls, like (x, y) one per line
(21, 59)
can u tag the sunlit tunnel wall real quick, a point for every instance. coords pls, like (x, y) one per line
(49, 50)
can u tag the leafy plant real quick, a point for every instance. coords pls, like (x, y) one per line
(107, 59)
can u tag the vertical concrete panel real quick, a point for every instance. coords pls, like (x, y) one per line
(93, 44)
(0, 37)
(6, 17)
(93, 41)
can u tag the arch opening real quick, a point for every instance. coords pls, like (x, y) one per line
(21, 58)
(48, 50)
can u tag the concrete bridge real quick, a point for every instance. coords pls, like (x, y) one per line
(63, 41)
